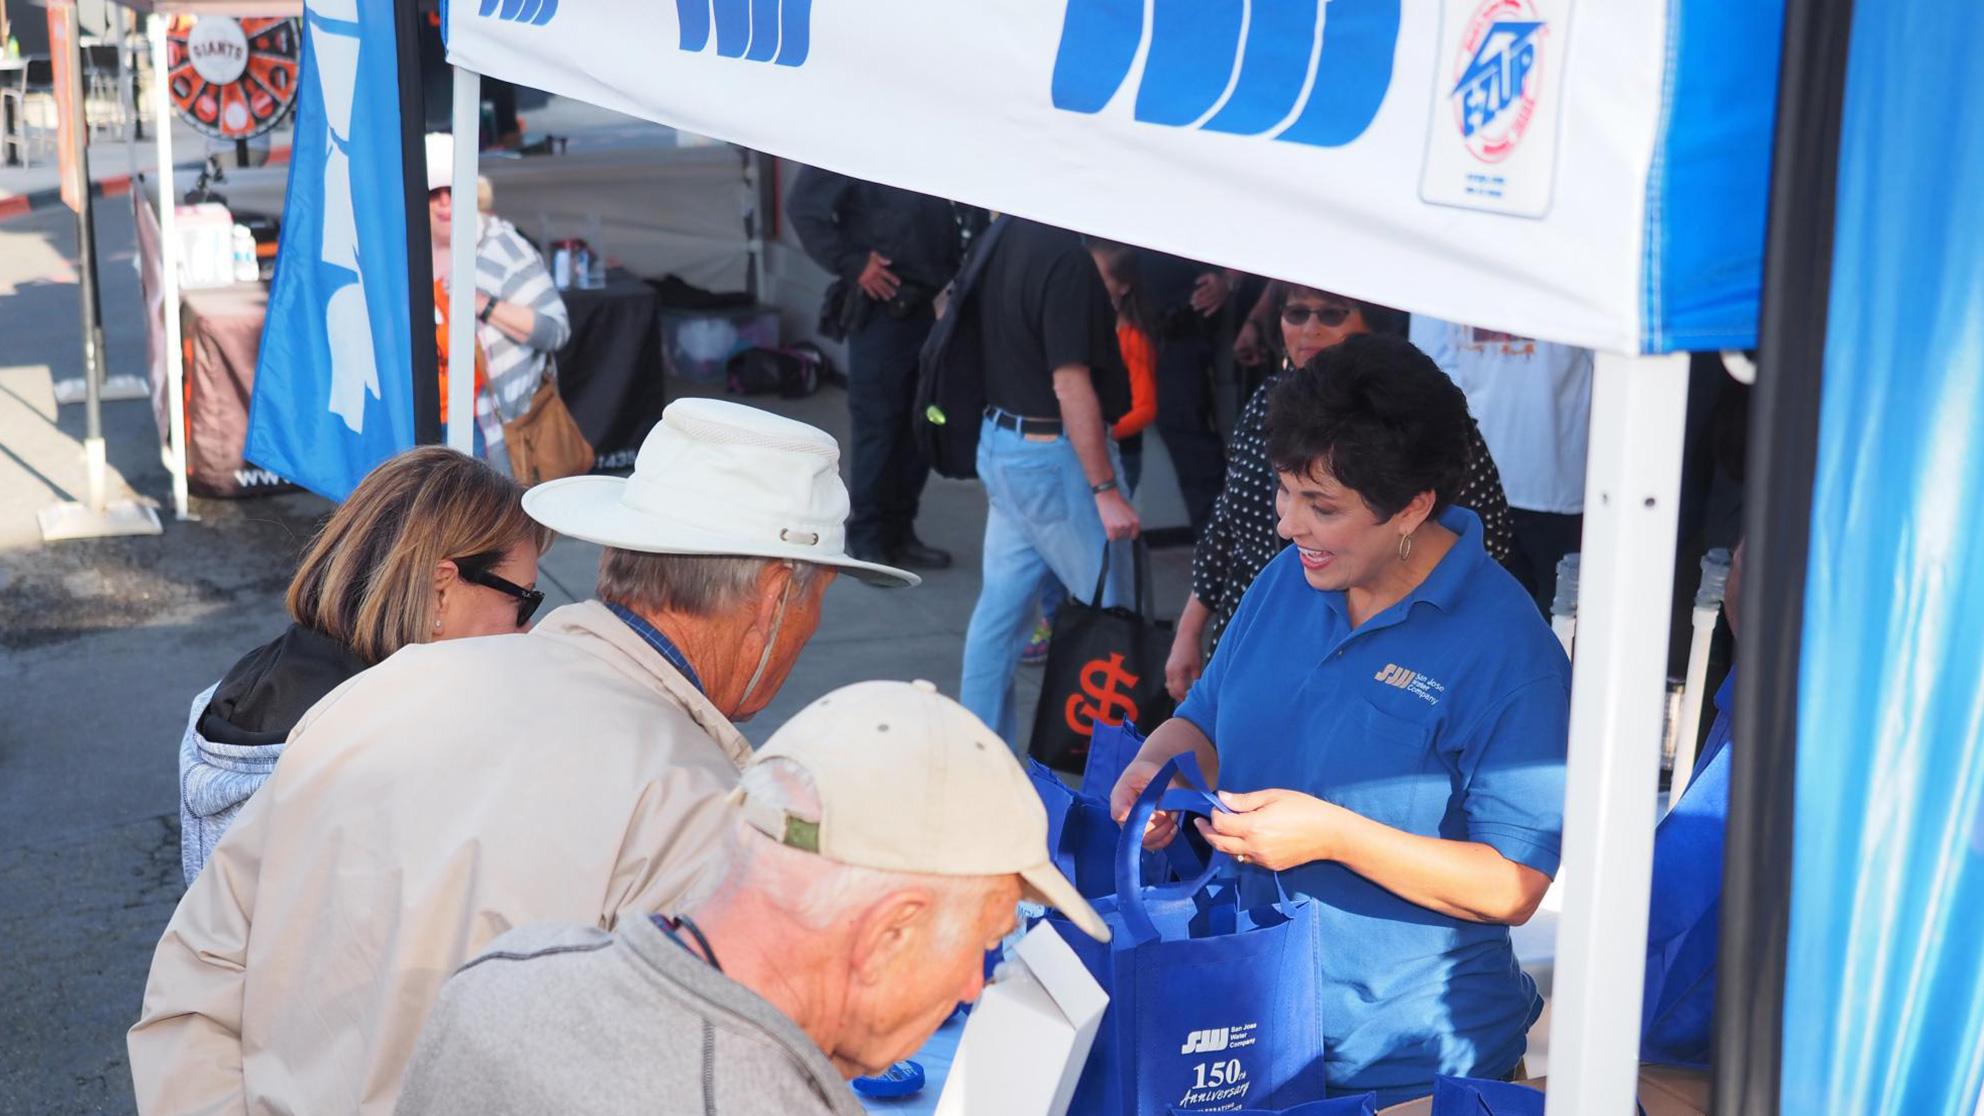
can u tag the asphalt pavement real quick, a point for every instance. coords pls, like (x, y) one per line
(104, 643)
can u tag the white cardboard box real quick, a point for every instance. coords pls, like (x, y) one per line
(1026, 1042)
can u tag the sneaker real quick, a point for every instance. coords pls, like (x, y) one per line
(1035, 652)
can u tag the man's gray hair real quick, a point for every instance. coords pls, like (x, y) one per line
(688, 584)
(817, 892)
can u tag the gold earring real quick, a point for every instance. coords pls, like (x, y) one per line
(1404, 547)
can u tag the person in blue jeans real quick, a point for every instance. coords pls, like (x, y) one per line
(1387, 718)
(1054, 382)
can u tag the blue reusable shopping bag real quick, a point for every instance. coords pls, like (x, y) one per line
(1110, 750)
(1683, 938)
(1474, 1096)
(1212, 1006)
(1080, 832)
(1363, 1104)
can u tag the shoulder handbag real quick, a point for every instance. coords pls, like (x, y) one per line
(1104, 666)
(545, 442)
(950, 382)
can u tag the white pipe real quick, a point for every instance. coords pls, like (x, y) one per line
(168, 270)
(1564, 603)
(1618, 695)
(1566, 628)
(1688, 730)
(1708, 606)
(461, 263)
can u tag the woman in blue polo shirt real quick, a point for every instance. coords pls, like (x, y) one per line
(1387, 717)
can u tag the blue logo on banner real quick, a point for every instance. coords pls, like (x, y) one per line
(775, 31)
(1245, 67)
(333, 392)
(537, 13)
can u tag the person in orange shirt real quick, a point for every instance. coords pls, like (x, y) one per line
(1134, 335)
(441, 349)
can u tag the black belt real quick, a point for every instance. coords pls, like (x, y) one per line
(1007, 420)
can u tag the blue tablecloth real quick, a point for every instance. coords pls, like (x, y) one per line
(935, 1058)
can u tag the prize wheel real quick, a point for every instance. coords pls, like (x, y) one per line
(232, 79)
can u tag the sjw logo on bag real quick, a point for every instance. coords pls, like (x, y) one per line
(1302, 71)
(1219, 1038)
(536, 13)
(775, 31)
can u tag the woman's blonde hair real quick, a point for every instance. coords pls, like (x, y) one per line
(367, 579)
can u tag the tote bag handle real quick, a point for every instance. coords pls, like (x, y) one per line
(1194, 798)
(1141, 550)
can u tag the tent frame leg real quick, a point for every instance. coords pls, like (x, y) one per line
(467, 126)
(168, 239)
(1625, 592)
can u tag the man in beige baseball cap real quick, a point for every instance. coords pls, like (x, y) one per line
(880, 842)
(470, 785)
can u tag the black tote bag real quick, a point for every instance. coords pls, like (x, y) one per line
(1104, 665)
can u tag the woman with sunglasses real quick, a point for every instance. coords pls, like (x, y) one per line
(432, 545)
(1240, 539)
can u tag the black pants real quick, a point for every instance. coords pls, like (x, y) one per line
(1184, 420)
(1541, 541)
(886, 474)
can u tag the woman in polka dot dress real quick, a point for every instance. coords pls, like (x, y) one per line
(1240, 539)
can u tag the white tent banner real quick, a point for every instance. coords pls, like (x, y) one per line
(1495, 162)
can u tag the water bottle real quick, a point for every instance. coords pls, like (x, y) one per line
(246, 268)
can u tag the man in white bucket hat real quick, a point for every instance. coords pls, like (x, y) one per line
(464, 787)
(882, 838)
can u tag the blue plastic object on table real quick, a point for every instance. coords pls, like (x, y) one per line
(935, 1057)
(900, 1080)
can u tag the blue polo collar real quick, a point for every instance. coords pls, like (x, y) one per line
(662, 644)
(1442, 588)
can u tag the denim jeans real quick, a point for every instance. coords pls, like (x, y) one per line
(1040, 522)
(885, 471)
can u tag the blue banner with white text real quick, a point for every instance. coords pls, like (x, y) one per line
(333, 391)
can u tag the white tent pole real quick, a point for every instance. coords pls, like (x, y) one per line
(168, 269)
(461, 263)
(1626, 579)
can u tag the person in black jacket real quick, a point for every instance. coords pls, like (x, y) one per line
(432, 545)
(891, 250)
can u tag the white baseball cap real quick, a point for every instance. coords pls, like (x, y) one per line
(440, 160)
(909, 781)
(718, 478)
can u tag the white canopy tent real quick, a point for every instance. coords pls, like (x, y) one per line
(1504, 163)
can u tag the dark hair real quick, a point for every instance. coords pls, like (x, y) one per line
(1380, 416)
(1123, 263)
(1377, 319)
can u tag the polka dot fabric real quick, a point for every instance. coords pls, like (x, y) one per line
(1240, 540)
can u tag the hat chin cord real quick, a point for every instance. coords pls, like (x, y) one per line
(771, 642)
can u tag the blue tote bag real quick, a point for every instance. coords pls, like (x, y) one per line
(1212, 1006)
(1110, 750)
(1363, 1104)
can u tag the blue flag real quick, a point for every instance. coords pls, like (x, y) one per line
(333, 387)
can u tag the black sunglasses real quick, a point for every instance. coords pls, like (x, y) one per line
(528, 600)
(1329, 316)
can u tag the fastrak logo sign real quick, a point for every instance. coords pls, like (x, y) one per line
(1302, 71)
(533, 13)
(775, 31)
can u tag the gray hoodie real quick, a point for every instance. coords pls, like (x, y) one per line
(553, 1019)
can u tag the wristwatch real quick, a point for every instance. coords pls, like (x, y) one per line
(1106, 486)
(488, 308)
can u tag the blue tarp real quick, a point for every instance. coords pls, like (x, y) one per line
(1884, 1001)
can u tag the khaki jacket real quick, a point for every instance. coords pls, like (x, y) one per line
(420, 810)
